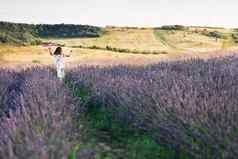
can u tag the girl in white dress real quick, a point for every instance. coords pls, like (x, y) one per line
(59, 61)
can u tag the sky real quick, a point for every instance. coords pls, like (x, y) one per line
(143, 13)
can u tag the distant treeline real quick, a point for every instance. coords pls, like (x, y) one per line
(125, 28)
(173, 27)
(68, 30)
(235, 35)
(207, 27)
(165, 27)
(182, 27)
(199, 30)
(214, 34)
(20, 33)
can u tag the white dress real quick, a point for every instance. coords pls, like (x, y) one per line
(59, 63)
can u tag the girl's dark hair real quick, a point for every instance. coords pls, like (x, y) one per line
(58, 51)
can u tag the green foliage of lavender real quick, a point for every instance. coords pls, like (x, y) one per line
(190, 105)
(38, 119)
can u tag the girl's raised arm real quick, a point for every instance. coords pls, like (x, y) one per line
(68, 53)
(50, 50)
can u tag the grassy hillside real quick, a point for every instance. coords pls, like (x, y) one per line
(125, 45)
(142, 40)
(163, 39)
(16, 33)
(118, 38)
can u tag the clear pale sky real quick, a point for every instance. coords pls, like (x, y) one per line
(122, 12)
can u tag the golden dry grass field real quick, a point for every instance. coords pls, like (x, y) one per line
(153, 40)
(177, 45)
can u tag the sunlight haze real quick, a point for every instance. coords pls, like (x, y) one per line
(122, 13)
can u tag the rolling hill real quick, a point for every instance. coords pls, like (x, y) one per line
(20, 33)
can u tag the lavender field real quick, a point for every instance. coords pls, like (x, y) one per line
(189, 106)
(36, 115)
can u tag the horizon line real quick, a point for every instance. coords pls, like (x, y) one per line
(120, 26)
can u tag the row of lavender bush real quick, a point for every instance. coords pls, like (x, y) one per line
(191, 105)
(36, 115)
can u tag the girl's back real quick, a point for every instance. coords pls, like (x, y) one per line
(59, 61)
